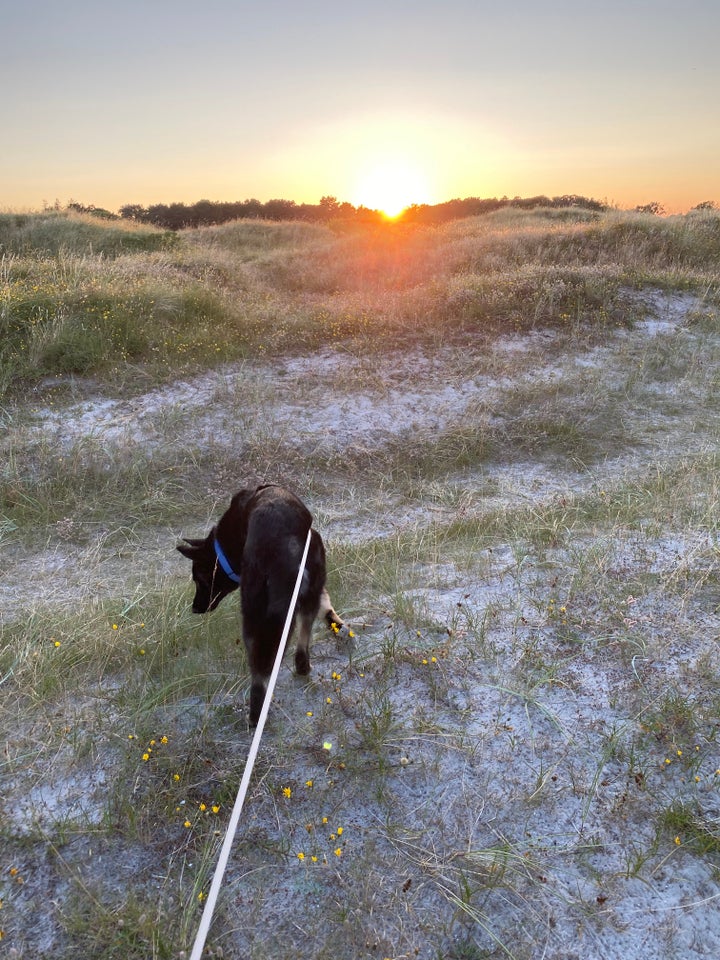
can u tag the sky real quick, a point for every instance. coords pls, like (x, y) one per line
(382, 102)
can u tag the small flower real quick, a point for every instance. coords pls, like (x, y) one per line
(308, 783)
(677, 841)
(287, 792)
(215, 808)
(338, 851)
(339, 831)
(679, 753)
(201, 896)
(309, 713)
(301, 857)
(329, 700)
(351, 634)
(163, 740)
(176, 777)
(57, 643)
(203, 808)
(187, 824)
(314, 859)
(146, 757)
(324, 819)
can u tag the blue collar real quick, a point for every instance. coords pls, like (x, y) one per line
(225, 563)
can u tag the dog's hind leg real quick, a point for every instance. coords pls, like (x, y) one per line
(261, 650)
(332, 618)
(257, 698)
(327, 612)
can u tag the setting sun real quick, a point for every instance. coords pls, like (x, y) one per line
(390, 186)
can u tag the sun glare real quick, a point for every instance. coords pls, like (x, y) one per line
(390, 187)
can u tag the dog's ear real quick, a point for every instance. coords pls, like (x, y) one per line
(192, 549)
(242, 498)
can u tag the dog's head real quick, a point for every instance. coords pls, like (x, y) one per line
(212, 584)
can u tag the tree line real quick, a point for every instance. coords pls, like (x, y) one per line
(178, 216)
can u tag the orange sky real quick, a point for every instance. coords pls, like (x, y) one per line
(383, 104)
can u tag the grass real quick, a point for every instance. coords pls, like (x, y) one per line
(518, 755)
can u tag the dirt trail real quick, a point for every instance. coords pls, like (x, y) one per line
(327, 402)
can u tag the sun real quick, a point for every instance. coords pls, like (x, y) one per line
(390, 186)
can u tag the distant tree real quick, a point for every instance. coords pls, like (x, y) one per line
(91, 209)
(572, 200)
(281, 210)
(655, 208)
(133, 211)
(204, 212)
(706, 205)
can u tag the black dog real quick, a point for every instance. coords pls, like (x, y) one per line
(257, 545)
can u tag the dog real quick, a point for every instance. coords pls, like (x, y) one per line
(257, 546)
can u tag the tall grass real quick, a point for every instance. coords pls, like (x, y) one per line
(81, 296)
(53, 233)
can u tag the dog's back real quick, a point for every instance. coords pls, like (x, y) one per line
(277, 527)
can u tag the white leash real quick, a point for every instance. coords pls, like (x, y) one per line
(247, 773)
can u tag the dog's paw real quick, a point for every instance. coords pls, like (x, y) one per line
(342, 631)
